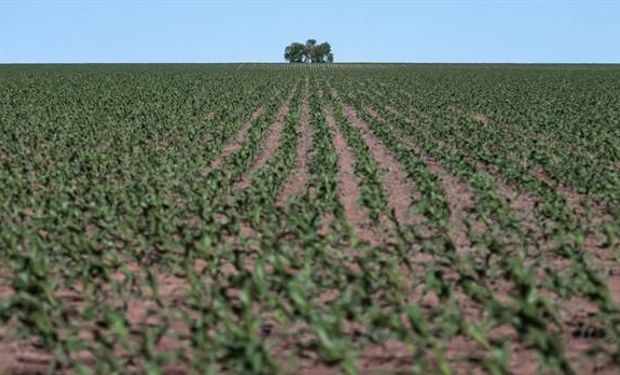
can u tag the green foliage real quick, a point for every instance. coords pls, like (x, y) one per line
(311, 52)
(124, 249)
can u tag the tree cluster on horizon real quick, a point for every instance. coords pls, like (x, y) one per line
(311, 52)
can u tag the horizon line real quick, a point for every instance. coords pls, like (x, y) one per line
(310, 64)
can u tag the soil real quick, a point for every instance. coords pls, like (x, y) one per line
(459, 196)
(396, 186)
(268, 149)
(27, 357)
(574, 312)
(237, 142)
(480, 117)
(348, 186)
(300, 176)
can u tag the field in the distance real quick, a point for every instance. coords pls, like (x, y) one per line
(310, 219)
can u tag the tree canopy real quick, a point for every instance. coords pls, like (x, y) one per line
(311, 52)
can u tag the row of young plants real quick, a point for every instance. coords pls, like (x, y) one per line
(444, 253)
(320, 270)
(84, 244)
(458, 162)
(125, 250)
(280, 290)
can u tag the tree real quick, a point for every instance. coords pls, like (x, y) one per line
(310, 52)
(295, 53)
(323, 53)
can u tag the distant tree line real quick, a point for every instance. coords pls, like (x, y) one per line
(311, 52)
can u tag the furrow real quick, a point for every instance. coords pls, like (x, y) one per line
(348, 185)
(300, 176)
(269, 147)
(237, 142)
(396, 186)
(458, 195)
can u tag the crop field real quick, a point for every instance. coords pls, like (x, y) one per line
(296, 219)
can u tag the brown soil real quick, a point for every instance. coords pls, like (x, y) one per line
(26, 357)
(391, 110)
(210, 116)
(269, 147)
(300, 175)
(593, 220)
(235, 145)
(397, 188)
(348, 186)
(23, 358)
(575, 201)
(480, 117)
(459, 196)
(270, 143)
(374, 114)
(523, 204)
(460, 200)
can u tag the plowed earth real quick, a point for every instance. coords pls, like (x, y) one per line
(375, 220)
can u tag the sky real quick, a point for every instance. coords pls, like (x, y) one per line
(109, 31)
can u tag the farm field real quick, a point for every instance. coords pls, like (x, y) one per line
(334, 218)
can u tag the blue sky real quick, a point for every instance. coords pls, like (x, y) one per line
(258, 30)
